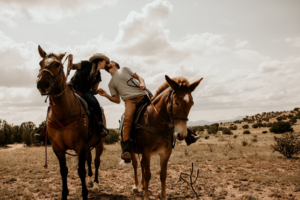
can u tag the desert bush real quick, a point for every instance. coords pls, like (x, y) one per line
(206, 137)
(235, 136)
(254, 139)
(245, 143)
(264, 132)
(279, 118)
(287, 145)
(246, 132)
(281, 127)
(290, 116)
(213, 129)
(296, 109)
(293, 121)
(254, 126)
(226, 131)
(233, 127)
(220, 128)
(245, 126)
(269, 124)
(112, 137)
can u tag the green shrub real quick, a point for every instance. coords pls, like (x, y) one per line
(279, 119)
(213, 129)
(288, 145)
(281, 127)
(246, 132)
(226, 131)
(112, 137)
(264, 132)
(254, 125)
(246, 126)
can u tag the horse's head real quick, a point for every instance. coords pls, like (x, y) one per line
(51, 72)
(180, 102)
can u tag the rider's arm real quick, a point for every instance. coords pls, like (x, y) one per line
(115, 98)
(141, 80)
(77, 66)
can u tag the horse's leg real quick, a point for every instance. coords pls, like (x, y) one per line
(89, 163)
(143, 173)
(63, 169)
(147, 174)
(134, 164)
(99, 150)
(163, 173)
(82, 172)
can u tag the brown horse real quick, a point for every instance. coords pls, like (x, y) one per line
(66, 112)
(165, 120)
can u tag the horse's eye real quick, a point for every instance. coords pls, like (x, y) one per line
(57, 64)
(176, 103)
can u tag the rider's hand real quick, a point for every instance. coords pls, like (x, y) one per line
(102, 92)
(142, 87)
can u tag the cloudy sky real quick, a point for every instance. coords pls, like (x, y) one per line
(248, 52)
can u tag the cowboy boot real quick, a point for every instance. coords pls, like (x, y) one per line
(40, 134)
(126, 151)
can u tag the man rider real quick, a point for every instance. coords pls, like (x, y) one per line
(130, 95)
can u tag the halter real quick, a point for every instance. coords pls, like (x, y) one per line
(61, 65)
(170, 101)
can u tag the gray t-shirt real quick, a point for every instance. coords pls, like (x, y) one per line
(118, 84)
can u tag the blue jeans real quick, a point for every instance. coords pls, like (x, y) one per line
(93, 103)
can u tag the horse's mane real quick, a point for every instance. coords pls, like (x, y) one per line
(52, 55)
(180, 80)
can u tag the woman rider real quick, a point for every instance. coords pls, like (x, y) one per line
(86, 81)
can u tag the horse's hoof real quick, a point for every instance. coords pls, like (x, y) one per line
(135, 189)
(96, 186)
(89, 183)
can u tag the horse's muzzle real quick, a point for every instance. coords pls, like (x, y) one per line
(43, 87)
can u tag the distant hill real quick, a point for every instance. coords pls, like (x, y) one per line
(204, 122)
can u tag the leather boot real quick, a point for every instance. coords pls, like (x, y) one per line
(40, 134)
(126, 151)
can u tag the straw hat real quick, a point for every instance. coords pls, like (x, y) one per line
(99, 55)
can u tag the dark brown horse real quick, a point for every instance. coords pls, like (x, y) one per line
(172, 101)
(67, 124)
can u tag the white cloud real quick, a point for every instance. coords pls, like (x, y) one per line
(43, 11)
(249, 55)
(269, 66)
(74, 33)
(294, 42)
(241, 44)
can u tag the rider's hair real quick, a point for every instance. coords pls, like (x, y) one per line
(117, 64)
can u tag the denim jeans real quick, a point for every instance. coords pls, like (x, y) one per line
(93, 103)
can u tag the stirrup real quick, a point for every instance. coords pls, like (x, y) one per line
(105, 131)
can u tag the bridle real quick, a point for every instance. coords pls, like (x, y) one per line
(54, 77)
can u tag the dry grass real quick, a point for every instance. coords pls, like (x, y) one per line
(238, 172)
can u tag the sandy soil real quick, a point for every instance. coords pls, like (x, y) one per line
(226, 172)
(11, 147)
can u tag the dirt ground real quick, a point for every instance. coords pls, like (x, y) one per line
(228, 170)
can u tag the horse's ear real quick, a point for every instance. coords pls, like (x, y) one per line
(172, 83)
(60, 56)
(42, 52)
(193, 86)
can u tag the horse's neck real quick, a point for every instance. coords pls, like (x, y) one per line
(64, 105)
(161, 107)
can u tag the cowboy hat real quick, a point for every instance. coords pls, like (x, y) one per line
(99, 55)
